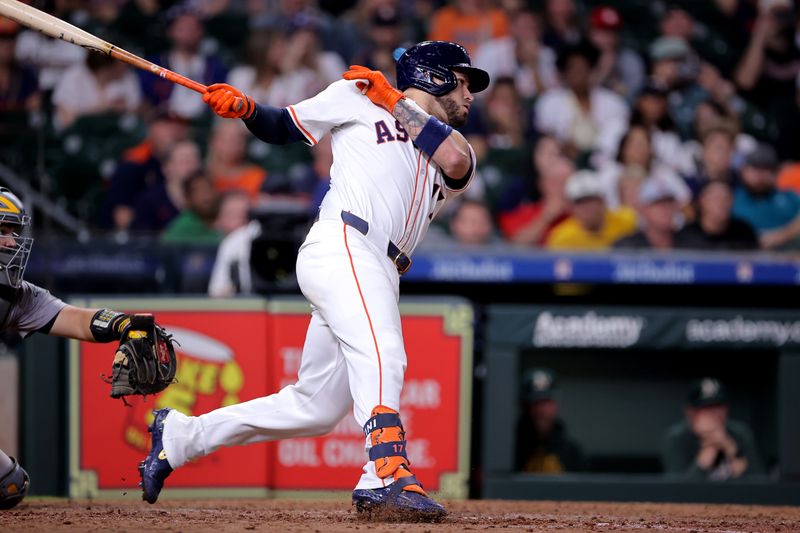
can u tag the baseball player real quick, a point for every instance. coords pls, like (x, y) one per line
(26, 308)
(396, 160)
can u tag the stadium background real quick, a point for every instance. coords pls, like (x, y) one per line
(77, 162)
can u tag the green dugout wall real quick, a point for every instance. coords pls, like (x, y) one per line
(624, 373)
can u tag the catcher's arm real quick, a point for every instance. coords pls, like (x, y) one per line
(76, 323)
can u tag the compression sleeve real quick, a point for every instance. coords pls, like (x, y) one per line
(273, 125)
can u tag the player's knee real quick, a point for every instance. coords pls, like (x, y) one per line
(13, 486)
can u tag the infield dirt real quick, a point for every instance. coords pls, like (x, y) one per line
(198, 516)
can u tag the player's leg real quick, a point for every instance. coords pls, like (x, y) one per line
(312, 406)
(358, 296)
(14, 482)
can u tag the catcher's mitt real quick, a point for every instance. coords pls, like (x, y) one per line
(145, 361)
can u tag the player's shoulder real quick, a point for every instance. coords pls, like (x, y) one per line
(345, 89)
(29, 290)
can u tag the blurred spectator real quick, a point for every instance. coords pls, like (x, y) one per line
(710, 114)
(140, 168)
(338, 34)
(591, 226)
(619, 68)
(651, 111)
(533, 207)
(274, 74)
(504, 115)
(384, 36)
(708, 445)
(19, 90)
(471, 223)
(469, 23)
(715, 228)
(50, 57)
(561, 24)
(421, 14)
(543, 445)
(233, 212)
(658, 212)
(716, 163)
(586, 116)
(195, 223)
(674, 67)
(305, 50)
(773, 213)
(789, 178)
(226, 164)
(101, 85)
(139, 23)
(635, 162)
(185, 32)
(162, 201)
(231, 274)
(769, 69)
(520, 55)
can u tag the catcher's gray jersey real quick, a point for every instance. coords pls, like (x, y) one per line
(33, 308)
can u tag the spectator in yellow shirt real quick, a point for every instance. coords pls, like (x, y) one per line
(590, 226)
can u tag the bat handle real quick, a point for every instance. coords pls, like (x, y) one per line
(195, 86)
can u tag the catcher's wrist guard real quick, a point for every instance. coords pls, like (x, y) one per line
(108, 325)
(145, 360)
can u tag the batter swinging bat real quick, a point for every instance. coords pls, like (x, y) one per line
(58, 29)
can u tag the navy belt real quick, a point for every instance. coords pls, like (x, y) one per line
(400, 260)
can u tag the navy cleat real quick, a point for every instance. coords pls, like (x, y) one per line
(155, 468)
(392, 503)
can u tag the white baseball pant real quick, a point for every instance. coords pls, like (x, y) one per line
(353, 355)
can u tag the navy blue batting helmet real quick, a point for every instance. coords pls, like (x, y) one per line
(430, 66)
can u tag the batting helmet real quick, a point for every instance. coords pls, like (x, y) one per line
(430, 66)
(13, 222)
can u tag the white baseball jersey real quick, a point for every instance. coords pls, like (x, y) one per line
(378, 174)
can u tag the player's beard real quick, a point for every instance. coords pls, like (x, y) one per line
(456, 115)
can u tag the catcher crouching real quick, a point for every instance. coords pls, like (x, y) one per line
(144, 362)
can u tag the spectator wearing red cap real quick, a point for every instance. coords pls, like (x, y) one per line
(618, 68)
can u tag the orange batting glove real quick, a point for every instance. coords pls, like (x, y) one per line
(228, 101)
(375, 86)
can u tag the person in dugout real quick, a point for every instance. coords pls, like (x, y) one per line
(543, 445)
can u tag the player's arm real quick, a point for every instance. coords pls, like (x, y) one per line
(93, 325)
(270, 124)
(445, 146)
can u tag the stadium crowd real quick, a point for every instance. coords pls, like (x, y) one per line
(650, 124)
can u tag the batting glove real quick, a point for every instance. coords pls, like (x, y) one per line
(228, 101)
(375, 86)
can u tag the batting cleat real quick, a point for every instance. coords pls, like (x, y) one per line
(392, 503)
(155, 468)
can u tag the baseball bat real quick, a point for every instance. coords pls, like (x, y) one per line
(51, 26)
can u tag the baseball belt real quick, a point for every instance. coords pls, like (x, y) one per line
(400, 260)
